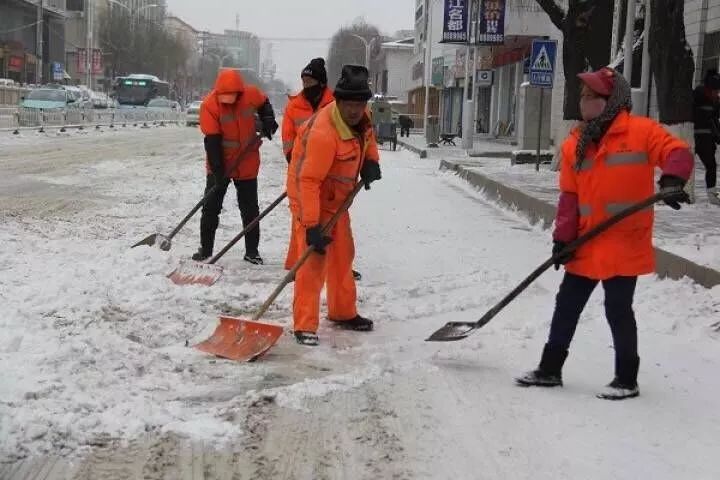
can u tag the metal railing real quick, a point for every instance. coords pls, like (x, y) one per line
(16, 119)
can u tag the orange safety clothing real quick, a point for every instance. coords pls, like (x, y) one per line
(616, 173)
(235, 122)
(297, 111)
(323, 171)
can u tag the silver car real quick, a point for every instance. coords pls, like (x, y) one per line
(192, 116)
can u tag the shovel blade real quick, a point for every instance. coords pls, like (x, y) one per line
(156, 238)
(195, 273)
(452, 332)
(240, 340)
(149, 241)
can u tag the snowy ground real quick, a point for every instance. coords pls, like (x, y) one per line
(95, 368)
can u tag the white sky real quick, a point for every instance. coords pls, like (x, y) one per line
(278, 20)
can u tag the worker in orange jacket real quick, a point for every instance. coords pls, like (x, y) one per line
(314, 95)
(227, 119)
(608, 164)
(334, 146)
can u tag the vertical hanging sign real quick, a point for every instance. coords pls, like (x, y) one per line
(455, 22)
(491, 26)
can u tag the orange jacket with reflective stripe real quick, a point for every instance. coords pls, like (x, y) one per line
(297, 111)
(235, 122)
(326, 162)
(616, 173)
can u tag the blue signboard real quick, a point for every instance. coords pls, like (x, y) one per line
(57, 70)
(455, 22)
(491, 24)
(542, 63)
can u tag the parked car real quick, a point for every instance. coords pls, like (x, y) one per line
(47, 99)
(100, 100)
(162, 103)
(192, 116)
(7, 82)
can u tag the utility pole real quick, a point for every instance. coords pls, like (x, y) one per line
(468, 90)
(629, 40)
(88, 43)
(428, 68)
(39, 47)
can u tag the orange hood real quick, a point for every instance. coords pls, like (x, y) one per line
(229, 81)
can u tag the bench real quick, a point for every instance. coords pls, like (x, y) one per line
(447, 139)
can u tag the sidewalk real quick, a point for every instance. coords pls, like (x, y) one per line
(481, 148)
(687, 242)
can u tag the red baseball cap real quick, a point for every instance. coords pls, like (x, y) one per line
(601, 81)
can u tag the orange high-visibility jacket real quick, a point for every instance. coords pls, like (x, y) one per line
(326, 163)
(235, 122)
(616, 173)
(297, 111)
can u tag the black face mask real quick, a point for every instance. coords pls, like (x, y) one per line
(314, 94)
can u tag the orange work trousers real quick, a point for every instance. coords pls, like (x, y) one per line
(293, 255)
(332, 270)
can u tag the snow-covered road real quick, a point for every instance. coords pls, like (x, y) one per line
(95, 368)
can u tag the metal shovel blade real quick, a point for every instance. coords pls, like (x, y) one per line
(195, 273)
(241, 340)
(156, 238)
(452, 331)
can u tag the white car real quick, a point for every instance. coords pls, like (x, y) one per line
(192, 116)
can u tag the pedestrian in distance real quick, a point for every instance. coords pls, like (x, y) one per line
(607, 164)
(228, 121)
(706, 122)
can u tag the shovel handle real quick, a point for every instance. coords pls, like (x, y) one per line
(308, 251)
(249, 227)
(256, 142)
(571, 247)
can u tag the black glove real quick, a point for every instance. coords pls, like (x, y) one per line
(269, 127)
(671, 182)
(315, 238)
(267, 117)
(370, 172)
(562, 259)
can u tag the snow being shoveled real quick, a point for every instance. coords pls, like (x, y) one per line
(94, 357)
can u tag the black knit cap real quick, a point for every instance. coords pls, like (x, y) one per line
(316, 69)
(353, 84)
(712, 79)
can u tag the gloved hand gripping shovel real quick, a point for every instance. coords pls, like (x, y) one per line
(453, 331)
(190, 272)
(165, 241)
(247, 340)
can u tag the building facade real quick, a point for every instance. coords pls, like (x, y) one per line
(19, 56)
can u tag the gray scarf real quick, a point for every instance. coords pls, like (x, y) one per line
(592, 131)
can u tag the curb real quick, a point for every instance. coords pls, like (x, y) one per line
(668, 265)
(419, 151)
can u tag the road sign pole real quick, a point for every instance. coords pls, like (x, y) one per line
(539, 130)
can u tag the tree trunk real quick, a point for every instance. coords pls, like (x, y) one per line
(587, 31)
(672, 62)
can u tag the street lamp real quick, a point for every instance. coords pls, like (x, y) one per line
(221, 60)
(368, 48)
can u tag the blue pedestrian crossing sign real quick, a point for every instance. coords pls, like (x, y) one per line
(542, 63)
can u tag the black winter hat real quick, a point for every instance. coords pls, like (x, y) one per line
(712, 79)
(316, 69)
(353, 84)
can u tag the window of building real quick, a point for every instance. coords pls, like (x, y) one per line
(75, 5)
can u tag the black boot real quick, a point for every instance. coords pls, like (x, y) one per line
(201, 255)
(253, 258)
(624, 385)
(549, 372)
(309, 339)
(358, 324)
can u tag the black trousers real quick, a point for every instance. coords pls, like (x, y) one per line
(247, 198)
(705, 149)
(404, 131)
(571, 299)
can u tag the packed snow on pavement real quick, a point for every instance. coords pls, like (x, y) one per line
(94, 335)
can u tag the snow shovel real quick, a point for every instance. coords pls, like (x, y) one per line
(165, 241)
(190, 272)
(246, 340)
(453, 331)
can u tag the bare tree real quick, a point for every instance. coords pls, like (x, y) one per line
(671, 61)
(587, 31)
(345, 49)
